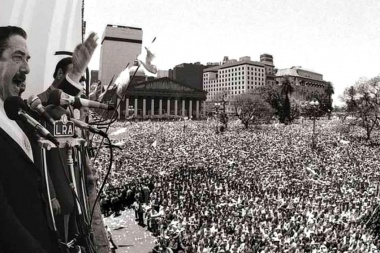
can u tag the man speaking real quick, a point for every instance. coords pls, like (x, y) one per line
(24, 222)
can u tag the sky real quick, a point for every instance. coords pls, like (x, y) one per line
(337, 38)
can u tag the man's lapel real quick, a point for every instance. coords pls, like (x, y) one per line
(14, 145)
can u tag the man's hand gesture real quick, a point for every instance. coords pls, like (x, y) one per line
(82, 56)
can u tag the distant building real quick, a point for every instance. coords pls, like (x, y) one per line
(235, 77)
(162, 73)
(270, 76)
(307, 84)
(162, 98)
(150, 98)
(120, 46)
(188, 73)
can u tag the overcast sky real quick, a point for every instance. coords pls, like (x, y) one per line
(337, 38)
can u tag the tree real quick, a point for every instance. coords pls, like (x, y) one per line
(286, 90)
(329, 91)
(363, 102)
(252, 109)
(348, 97)
(209, 109)
(221, 97)
(272, 95)
(295, 109)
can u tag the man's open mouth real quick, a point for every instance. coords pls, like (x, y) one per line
(19, 79)
(18, 82)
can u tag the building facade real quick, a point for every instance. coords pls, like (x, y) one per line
(120, 46)
(161, 98)
(235, 77)
(307, 84)
(94, 76)
(270, 75)
(188, 73)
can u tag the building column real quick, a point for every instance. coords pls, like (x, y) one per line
(197, 110)
(144, 108)
(183, 108)
(136, 103)
(152, 107)
(160, 107)
(176, 107)
(118, 108)
(126, 107)
(204, 108)
(190, 108)
(168, 106)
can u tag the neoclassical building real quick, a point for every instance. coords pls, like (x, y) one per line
(163, 97)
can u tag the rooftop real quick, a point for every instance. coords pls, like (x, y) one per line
(233, 64)
(293, 71)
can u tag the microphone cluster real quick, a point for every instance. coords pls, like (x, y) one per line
(17, 109)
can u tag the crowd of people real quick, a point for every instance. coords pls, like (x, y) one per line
(257, 190)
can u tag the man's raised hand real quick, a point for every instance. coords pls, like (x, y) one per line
(82, 56)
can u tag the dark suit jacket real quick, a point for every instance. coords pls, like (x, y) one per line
(44, 96)
(64, 85)
(23, 211)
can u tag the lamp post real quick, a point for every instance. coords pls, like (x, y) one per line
(314, 107)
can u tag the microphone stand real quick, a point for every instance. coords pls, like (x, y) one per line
(47, 145)
(67, 143)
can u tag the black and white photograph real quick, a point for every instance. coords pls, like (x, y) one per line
(167, 126)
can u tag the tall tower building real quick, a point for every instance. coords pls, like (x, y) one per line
(120, 46)
(270, 76)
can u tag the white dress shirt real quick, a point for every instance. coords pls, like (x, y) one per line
(14, 131)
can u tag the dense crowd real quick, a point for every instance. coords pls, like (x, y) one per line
(257, 190)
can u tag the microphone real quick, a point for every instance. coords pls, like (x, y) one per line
(15, 109)
(56, 113)
(59, 98)
(35, 104)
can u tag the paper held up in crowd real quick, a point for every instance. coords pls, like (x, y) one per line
(119, 131)
(146, 59)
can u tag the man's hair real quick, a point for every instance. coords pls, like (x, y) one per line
(62, 64)
(6, 32)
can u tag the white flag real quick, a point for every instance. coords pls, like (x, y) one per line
(146, 59)
(122, 82)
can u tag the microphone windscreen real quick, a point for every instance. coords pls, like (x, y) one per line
(56, 112)
(30, 100)
(12, 105)
(33, 102)
(55, 97)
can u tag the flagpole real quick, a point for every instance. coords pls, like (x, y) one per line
(108, 86)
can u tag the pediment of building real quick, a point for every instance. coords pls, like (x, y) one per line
(163, 84)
